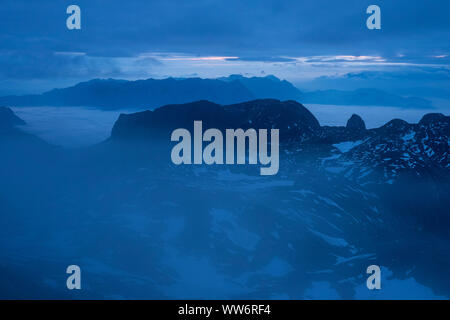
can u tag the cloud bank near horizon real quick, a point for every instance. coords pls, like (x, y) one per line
(294, 40)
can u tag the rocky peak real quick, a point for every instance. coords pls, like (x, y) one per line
(296, 123)
(356, 123)
(395, 126)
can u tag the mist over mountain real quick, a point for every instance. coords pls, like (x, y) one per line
(364, 97)
(224, 150)
(150, 93)
(421, 82)
(345, 197)
(17, 148)
(153, 93)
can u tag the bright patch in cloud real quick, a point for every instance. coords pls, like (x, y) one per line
(210, 58)
(341, 58)
(69, 53)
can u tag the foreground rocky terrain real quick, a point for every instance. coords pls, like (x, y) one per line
(142, 227)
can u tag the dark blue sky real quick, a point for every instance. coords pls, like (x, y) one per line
(297, 40)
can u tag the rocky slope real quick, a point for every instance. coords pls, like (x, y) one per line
(154, 230)
(396, 146)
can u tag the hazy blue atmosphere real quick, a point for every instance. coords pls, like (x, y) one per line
(295, 40)
(81, 126)
(87, 169)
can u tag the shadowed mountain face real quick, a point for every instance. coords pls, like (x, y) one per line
(152, 93)
(19, 149)
(136, 94)
(140, 227)
(11, 135)
(364, 97)
(356, 123)
(267, 87)
(8, 119)
(417, 145)
(293, 119)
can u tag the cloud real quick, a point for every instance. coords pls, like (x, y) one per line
(207, 58)
(346, 58)
(292, 39)
(268, 59)
(228, 28)
(421, 81)
(53, 65)
(421, 74)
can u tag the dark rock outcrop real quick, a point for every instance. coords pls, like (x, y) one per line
(356, 123)
(8, 119)
(397, 145)
(296, 123)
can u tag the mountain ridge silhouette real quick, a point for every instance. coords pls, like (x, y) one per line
(153, 93)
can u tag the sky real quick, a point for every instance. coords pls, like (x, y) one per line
(300, 40)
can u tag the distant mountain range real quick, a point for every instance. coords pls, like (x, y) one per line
(364, 97)
(269, 87)
(152, 93)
